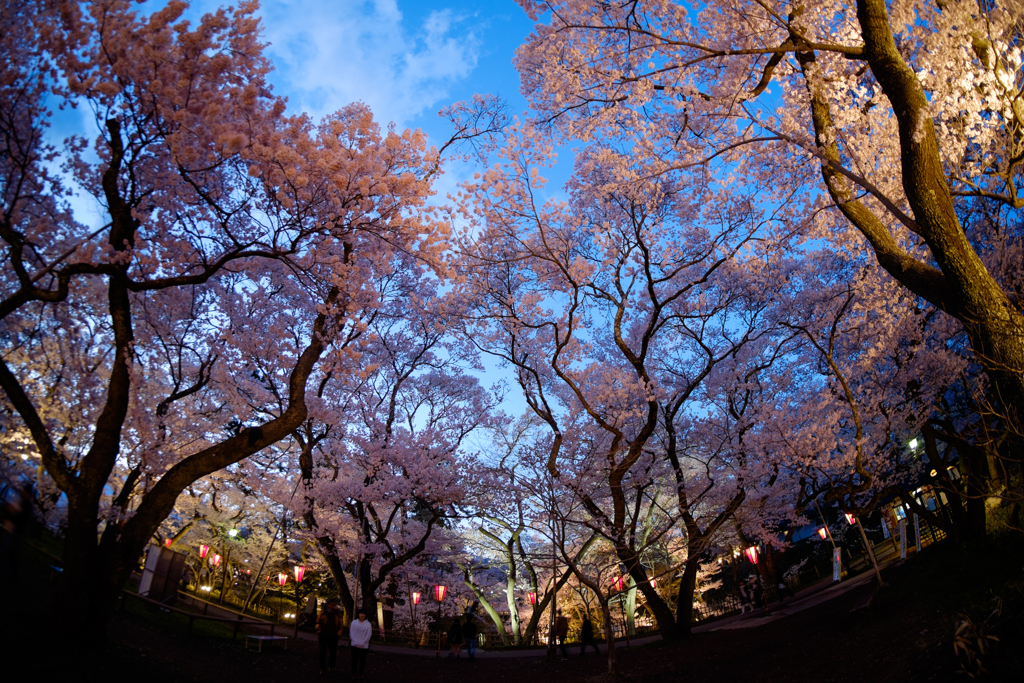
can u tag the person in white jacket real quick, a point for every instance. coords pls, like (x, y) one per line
(359, 632)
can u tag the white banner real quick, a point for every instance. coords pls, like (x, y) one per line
(836, 568)
(917, 532)
(885, 528)
(903, 539)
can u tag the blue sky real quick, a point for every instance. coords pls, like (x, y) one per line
(406, 59)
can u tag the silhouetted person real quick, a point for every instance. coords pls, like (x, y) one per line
(455, 638)
(328, 628)
(562, 632)
(587, 636)
(469, 634)
(14, 518)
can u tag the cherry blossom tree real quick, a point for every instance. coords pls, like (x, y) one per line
(387, 461)
(613, 309)
(910, 112)
(178, 337)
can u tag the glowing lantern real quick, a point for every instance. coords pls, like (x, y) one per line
(822, 533)
(299, 573)
(282, 578)
(850, 518)
(654, 583)
(532, 595)
(167, 543)
(215, 560)
(751, 554)
(203, 550)
(415, 598)
(618, 583)
(439, 592)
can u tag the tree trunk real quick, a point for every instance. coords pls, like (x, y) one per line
(684, 601)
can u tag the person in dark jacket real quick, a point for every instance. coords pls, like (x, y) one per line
(469, 634)
(455, 638)
(328, 627)
(562, 632)
(587, 636)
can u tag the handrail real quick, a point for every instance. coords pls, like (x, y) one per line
(238, 621)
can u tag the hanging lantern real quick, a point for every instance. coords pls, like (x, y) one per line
(850, 518)
(822, 533)
(299, 573)
(168, 542)
(282, 578)
(751, 554)
(532, 595)
(618, 583)
(203, 550)
(439, 592)
(415, 598)
(215, 560)
(654, 583)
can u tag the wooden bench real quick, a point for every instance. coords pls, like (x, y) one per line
(260, 640)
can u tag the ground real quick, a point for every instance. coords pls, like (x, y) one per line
(905, 635)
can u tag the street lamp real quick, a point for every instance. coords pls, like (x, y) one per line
(415, 631)
(232, 532)
(299, 573)
(439, 593)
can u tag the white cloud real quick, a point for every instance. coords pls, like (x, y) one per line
(328, 53)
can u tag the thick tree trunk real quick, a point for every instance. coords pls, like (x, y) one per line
(684, 601)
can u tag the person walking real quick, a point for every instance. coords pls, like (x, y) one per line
(744, 598)
(562, 632)
(359, 633)
(455, 638)
(587, 636)
(470, 634)
(328, 628)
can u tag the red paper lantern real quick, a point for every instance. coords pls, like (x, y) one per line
(618, 583)
(751, 554)
(299, 573)
(850, 518)
(439, 592)
(215, 560)
(167, 542)
(282, 578)
(415, 598)
(203, 550)
(654, 583)
(822, 533)
(532, 595)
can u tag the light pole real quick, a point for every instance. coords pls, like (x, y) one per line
(299, 572)
(412, 610)
(439, 593)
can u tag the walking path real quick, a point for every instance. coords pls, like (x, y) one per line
(805, 599)
(810, 597)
